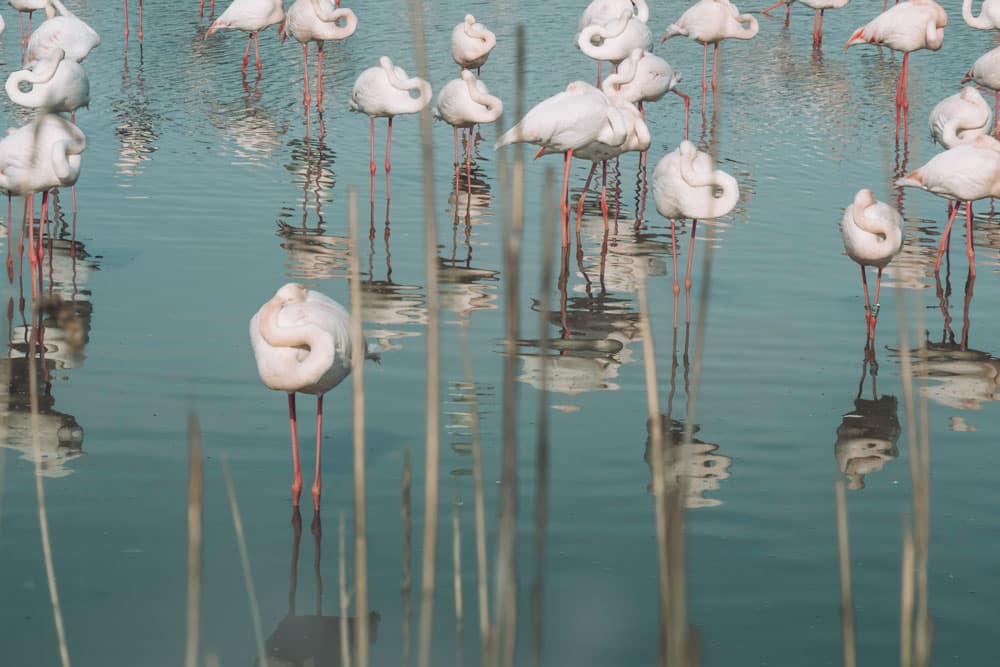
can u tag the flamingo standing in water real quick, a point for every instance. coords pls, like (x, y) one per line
(985, 72)
(383, 92)
(471, 43)
(201, 8)
(966, 173)
(710, 22)
(140, 20)
(687, 184)
(907, 27)
(565, 123)
(314, 21)
(873, 235)
(643, 77)
(960, 118)
(463, 103)
(28, 7)
(989, 15)
(614, 41)
(249, 16)
(302, 342)
(602, 12)
(820, 6)
(62, 30)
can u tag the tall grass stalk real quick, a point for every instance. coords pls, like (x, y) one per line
(432, 391)
(846, 600)
(43, 516)
(241, 542)
(358, 404)
(195, 502)
(345, 600)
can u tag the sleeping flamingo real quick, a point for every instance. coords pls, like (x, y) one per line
(302, 342)
(643, 77)
(873, 235)
(471, 43)
(62, 30)
(249, 16)
(602, 12)
(315, 21)
(463, 103)
(907, 27)
(960, 118)
(57, 84)
(383, 92)
(989, 15)
(615, 40)
(985, 72)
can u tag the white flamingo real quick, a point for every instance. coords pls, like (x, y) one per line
(602, 12)
(986, 73)
(873, 235)
(249, 16)
(614, 41)
(62, 30)
(989, 15)
(960, 118)
(644, 77)
(317, 21)
(28, 7)
(57, 84)
(385, 91)
(819, 6)
(463, 103)
(471, 43)
(302, 342)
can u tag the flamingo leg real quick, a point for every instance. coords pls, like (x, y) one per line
(598, 73)
(296, 462)
(10, 235)
(945, 237)
(819, 39)
(868, 306)
(468, 160)
(687, 275)
(687, 109)
(319, 75)
(256, 53)
(371, 165)
(41, 224)
(388, 165)
(305, 77)
(246, 55)
(968, 239)
(875, 309)
(715, 66)
(788, 13)
(125, 2)
(704, 75)
(583, 196)
(317, 489)
(563, 199)
(457, 168)
(767, 12)
(673, 254)
(20, 24)
(140, 21)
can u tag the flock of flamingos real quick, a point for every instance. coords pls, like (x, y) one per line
(302, 340)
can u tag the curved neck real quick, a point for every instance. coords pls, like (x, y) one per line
(60, 7)
(493, 106)
(747, 32)
(934, 36)
(318, 345)
(324, 13)
(641, 10)
(981, 22)
(408, 85)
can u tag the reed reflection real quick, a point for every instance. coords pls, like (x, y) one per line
(311, 640)
(867, 435)
(695, 467)
(595, 332)
(136, 129)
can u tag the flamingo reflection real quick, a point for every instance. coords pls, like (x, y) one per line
(136, 129)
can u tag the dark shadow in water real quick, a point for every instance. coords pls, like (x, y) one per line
(696, 467)
(867, 435)
(136, 129)
(311, 640)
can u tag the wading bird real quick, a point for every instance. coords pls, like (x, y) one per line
(643, 77)
(960, 118)
(249, 16)
(62, 30)
(986, 73)
(314, 21)
(873, 235)
(614, 41)
(471, 43)
(56, 84)
(820, 6)
(463, 103)
(302, 342)
(989, 15)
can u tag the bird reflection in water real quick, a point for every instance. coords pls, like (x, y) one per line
(867, 435)
(694, 467)
(249, 125)
(595, 333)
(136, 129)
(311, 640)
(398, 310)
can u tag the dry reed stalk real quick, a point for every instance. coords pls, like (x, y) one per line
(345, 602)
(3, 474)
(906, 601)
(542, 455)
(43, 516)
(244, 561)
(844, 553)
(194, 522)
(433, 389)
(358, 382)
(407, 549)
(482, 578)
(456, 562)
(656, 461)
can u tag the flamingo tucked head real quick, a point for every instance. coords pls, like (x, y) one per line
(291, 293)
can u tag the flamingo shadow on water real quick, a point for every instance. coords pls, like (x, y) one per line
(136, 130)
(312, 639)
(867, 434)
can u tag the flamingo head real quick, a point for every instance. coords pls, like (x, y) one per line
(291, 293)
(864, 198)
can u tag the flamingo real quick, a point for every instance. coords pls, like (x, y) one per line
(960, 118)
(249, 16)
(471, 43)
(643, 77)
(463, 103)
(140, 20)
(57, 84)
(873, 235)
(964, 173)
(687, 184)
(566, 122)
(39, 156)
(820, 6)
(62, 30)
(316, 21)
(989, 15)
(301, 341)
(615, 40)
(383, 92)
(201, 8)
(710, 22)
(986, 73)
(602, 12)
(28, 7)
(907, 27)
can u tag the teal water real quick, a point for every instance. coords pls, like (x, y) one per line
(202, 194)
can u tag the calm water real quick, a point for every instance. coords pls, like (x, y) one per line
(201, 194)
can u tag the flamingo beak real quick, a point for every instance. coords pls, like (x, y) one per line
(212, 29)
